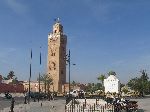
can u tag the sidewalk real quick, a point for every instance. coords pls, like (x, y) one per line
(42, 106)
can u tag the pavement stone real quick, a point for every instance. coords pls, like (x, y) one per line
(59, 106)
(42, 106)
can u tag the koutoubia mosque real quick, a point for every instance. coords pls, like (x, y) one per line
(56, 62)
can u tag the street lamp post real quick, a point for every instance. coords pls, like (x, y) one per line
(69, 71)
(67, 58)
(29, 85)
(39, 87)
(39, 76)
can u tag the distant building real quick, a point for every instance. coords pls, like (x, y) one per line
(112, 84)
(7, 81)
(12, 88)
(34, 86)
(1, 78)
(7, 85)
(65, 87)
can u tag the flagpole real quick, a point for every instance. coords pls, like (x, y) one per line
(30, 79)
(39, 87)
(69, 71)
(39, 73)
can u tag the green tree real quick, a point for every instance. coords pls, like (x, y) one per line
(73, 84)
(101, 78)
(135, 84)
(5, 78)
(149, 87)
(89, 87)
(125, 89)
(111, 73)
(15, 81)
(98, 86)
(144, 81)
(140, 84)
(47, 80)
(10, 75)
(122, 85)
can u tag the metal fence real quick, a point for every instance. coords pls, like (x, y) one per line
(73, 106)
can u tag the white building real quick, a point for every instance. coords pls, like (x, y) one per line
(112, 84)
(34, 86)
(7, 81)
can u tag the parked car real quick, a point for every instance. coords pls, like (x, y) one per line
(77, 93)
(37, 95)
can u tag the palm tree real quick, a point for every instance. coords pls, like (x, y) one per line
(101, 78)
(144, 81)
(10, 75)
(5, 78)
(140, 84)
(15, 81)
(47, 81)
(43, 79)
(73, 84)
(111, 73)
(144, 75)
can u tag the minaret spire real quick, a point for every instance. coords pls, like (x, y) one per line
(57, 20)
(57, 27)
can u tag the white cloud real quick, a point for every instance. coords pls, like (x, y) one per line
(16, 6)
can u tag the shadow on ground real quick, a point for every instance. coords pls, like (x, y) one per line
(140, 110)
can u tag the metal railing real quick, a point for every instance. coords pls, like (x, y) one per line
(74, 106)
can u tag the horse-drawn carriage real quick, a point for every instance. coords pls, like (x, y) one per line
(132, 106)
(127, 105)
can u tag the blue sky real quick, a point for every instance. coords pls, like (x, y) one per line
(103, 35)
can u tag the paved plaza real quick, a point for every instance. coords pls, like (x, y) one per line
(144, 104)
(42, 106)
(59, 106)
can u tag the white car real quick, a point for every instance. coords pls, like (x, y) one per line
(77, 93)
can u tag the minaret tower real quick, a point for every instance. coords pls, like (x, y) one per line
(56, 66)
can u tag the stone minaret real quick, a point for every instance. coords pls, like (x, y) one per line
(56, 65)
